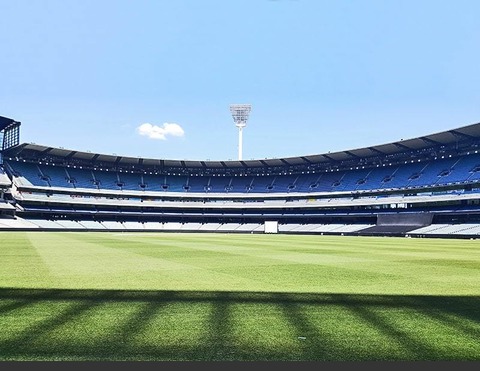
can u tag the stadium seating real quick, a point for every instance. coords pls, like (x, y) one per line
(343, 193)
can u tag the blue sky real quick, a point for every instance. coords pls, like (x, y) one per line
(320, 75)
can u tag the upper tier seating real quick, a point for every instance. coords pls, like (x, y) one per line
(412, 174)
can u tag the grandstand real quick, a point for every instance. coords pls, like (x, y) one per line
(422, 187)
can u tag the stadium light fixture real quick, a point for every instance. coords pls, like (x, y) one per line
(240, 114)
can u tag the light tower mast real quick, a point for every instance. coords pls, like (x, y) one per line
(240, 114)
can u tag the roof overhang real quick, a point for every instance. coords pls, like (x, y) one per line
(445, 138)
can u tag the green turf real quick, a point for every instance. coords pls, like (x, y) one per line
(167, 296)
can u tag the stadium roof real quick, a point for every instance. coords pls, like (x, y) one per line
(444, 138)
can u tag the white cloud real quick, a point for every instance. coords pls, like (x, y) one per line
(160, 132)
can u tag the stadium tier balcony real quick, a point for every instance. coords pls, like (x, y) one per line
(403, 176)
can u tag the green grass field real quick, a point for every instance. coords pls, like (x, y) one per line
(246, 297)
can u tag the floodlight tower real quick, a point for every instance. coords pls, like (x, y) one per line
(240, 114)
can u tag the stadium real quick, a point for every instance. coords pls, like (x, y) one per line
(420, 187)
(358, 255)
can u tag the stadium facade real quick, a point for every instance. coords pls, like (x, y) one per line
(421, 187)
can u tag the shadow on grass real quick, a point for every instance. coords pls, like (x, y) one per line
(97, 325)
